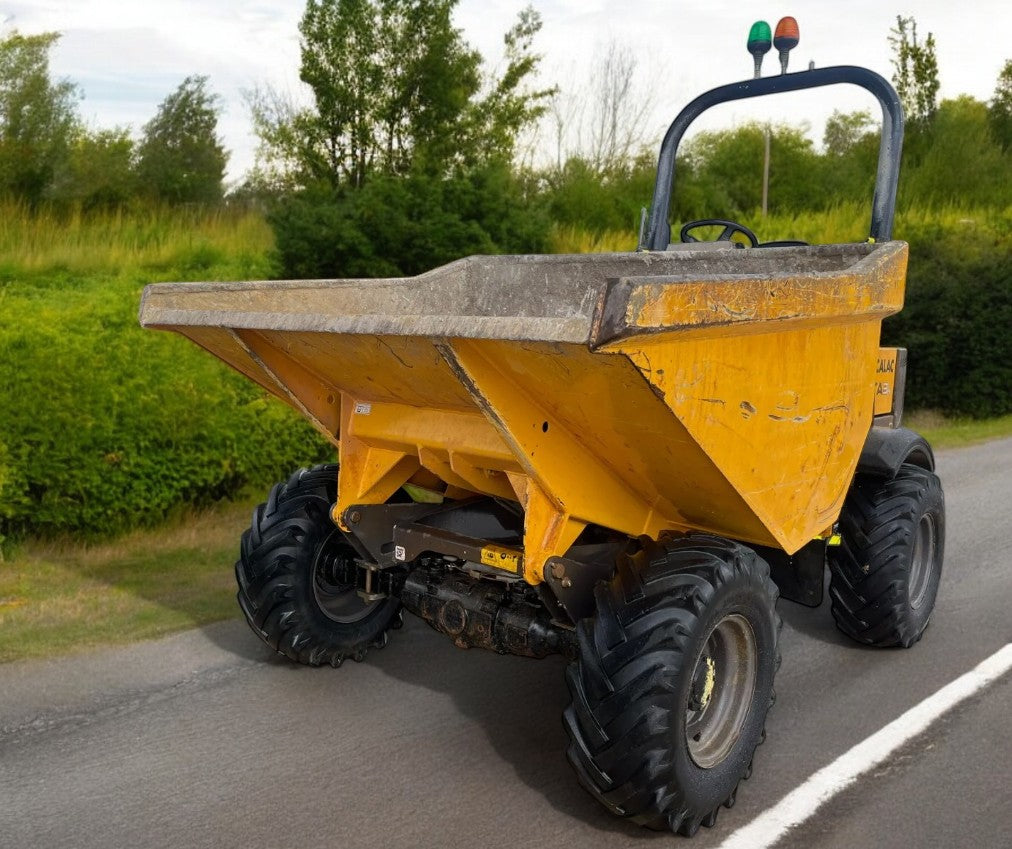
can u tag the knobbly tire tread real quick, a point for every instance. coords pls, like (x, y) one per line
(274, 576)
(869, 569)
(629, 684)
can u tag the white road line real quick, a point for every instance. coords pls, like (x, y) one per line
(798, 805)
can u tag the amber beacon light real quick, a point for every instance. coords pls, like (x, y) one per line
(785, 39)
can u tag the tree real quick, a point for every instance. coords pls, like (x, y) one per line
(404, 158)
(849, 165)
(963, 163)
(845, 130)
(916, 70)
(37, 116)
(100, 169)
(395, 89)
(617, 126)
(603, 122)
(510, 106)
(180, 158)
(724, 170)
(1000, 108)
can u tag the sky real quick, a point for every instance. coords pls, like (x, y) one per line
(128, 55)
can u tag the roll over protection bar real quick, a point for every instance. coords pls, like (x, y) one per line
(658, 234)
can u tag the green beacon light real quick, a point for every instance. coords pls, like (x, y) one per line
(785, 39)
(759, 43)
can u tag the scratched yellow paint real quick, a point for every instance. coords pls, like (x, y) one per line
(783, 415)
(750, 305)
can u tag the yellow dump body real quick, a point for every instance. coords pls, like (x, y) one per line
(709, 389)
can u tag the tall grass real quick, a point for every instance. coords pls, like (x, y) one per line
(162, 238)
(148, 237)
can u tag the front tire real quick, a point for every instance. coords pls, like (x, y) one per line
(673, 681)
(884, 575)
(283, 589)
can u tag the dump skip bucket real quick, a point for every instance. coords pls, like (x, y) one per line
(708, 389)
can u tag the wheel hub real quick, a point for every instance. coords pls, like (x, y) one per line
(338, 600)
(702, 684)
(723, 685)
(921, 560)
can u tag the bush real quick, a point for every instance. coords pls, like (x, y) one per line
(956, 320)
(403, 226)
(108, 426)
(579, 196)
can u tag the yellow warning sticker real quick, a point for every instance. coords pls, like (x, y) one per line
(501, 558)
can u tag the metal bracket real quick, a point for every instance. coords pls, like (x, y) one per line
(572, 578)
(800, 577)
(482, 531)
(413, 540)
(366, 582)
(370, 527)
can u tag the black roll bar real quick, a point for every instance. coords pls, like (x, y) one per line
(883, 208)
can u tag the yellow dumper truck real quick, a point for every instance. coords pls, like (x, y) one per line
(623, 458)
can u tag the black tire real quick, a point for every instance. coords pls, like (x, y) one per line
(884, 575)
(282, 591)
(636, 677)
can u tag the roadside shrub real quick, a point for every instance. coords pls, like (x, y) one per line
(957, 316)
(3, 482)
(108, 426)
(579, 196)
(397, 226)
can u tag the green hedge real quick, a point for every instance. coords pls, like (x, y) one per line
(957, 318)
(397, 226)
(107, 426)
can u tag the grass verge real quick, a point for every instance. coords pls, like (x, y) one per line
(943, 432)
(58, 598)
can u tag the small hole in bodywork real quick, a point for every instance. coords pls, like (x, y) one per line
(544, 427)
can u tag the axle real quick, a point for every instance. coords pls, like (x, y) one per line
(487, 614)
(506, 617)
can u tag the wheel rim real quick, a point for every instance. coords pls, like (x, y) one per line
(338, 602)
(921, 560)
(721, 692)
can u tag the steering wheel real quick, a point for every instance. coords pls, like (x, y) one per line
(730, 228)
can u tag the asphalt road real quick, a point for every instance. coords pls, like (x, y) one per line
(207, 739)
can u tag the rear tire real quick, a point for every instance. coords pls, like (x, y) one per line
(283, 592)
(673, 681)
(884, 575)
